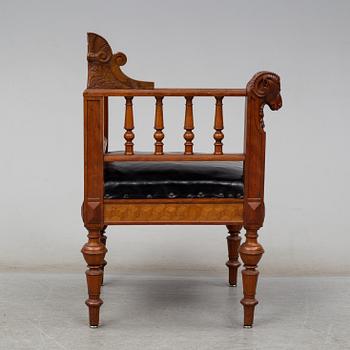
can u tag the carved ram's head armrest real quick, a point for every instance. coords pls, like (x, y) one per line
(266, 86)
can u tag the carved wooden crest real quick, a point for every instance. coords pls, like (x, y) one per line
(104, 67)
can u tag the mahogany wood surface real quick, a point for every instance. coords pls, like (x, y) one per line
(171, 157)
(186, 92)
(218, 126)
(106, 80)
(159, 126)
(103, 239)
(233, 243)
(263, 88)
(189, 126)
(129, 126)
(104, 67)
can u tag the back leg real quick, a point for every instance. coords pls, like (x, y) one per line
(103, 240)
(233, 243)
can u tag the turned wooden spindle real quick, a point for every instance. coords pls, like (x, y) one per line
(189, 126)
(218, 126)
(251, 252)
(233, 243)
(129, 126)
(158, 126)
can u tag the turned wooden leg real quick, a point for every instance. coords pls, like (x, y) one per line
(103, 239)
(94, 252)
(233, 243)
(251, 252)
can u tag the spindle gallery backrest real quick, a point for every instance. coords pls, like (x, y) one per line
(128, 187)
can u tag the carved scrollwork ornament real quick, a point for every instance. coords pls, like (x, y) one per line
(104, 67)
(266, 87)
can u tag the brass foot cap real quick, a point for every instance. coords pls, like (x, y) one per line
(232, 285)
(247, 327)
(93, 326)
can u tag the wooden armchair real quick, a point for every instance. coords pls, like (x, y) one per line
(128, 188)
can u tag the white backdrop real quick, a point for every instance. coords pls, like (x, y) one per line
(176, 44)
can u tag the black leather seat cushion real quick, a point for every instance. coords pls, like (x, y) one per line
(186, 179)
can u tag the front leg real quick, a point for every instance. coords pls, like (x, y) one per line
(94, 252)
(251, 252)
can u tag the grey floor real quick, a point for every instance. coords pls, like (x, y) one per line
(46, 311)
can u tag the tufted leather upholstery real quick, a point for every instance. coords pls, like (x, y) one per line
(173, 180)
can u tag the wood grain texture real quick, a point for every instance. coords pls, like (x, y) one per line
(94, 251)
(163, 212)
(94, 118)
